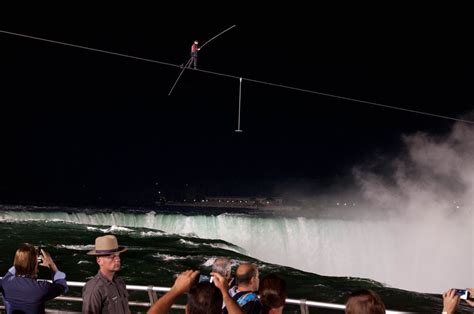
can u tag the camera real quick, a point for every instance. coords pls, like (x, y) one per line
(204, 278)
(462, 293)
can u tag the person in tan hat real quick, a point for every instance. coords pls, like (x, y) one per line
(106, 292)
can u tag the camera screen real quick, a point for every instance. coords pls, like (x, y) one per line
(40, 255)
(204, 278)
(462, 293)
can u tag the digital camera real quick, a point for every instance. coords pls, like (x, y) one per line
(463, 294)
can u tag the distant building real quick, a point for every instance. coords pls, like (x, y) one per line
(239, 201)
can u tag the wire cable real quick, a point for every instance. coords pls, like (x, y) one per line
(244, 79)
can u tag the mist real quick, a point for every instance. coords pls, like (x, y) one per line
(411, 223)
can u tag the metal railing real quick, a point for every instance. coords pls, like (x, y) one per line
(152, 290)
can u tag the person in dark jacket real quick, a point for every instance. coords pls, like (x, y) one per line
(248, 281)
(22, 291)
(273, 293)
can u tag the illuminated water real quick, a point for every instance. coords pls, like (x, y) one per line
(162, 244)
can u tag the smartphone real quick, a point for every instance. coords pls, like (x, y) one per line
(462, 293)
(203, 278)
(40, 255)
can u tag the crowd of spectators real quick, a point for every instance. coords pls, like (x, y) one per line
(219, 293)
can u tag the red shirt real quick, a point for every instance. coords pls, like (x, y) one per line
(194, 48)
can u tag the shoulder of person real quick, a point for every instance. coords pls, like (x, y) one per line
(94, 281)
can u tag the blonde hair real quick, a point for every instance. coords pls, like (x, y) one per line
(25, 260)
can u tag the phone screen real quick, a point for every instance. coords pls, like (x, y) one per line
(462, 293)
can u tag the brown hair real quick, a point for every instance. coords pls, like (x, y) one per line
(364, 301)
(25, 260)
(204, 298)
(272, 292)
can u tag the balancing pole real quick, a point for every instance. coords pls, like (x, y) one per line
(184, 68)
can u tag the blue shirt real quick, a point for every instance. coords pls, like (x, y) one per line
(28, 295)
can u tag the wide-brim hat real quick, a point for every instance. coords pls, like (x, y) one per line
(106, 245)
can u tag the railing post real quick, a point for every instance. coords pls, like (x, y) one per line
(152, 295)
(304, 307)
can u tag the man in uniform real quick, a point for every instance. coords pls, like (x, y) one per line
(106, 292)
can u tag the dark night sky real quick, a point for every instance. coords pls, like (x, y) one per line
(78, 124)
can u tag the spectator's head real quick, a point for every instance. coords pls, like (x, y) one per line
(222, 266)
(272, 293)
(26, 260)
(196, 42)
(247, 277)
(364, 301)
(204, 298)
(107, 252)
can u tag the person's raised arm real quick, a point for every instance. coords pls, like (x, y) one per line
(450, 301)
(59, 285)
(182, 284)
(48, 261)
(230, 304)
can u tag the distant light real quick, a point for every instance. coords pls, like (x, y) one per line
(457, 206)
(337, 204)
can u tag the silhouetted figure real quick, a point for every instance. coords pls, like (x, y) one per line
(273, 294)
(194, 54)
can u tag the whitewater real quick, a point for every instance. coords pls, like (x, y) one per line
(394, 252)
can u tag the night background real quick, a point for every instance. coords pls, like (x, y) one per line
(86, 128)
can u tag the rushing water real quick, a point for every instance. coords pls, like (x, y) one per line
(162, 244)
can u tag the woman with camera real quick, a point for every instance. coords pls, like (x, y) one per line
(22, 291)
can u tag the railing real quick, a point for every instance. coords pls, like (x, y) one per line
(152, 290)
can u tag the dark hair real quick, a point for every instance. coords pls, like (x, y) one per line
(204, 298)
(364, 301)
(272, 292)
(247, 276)
(25, 260)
